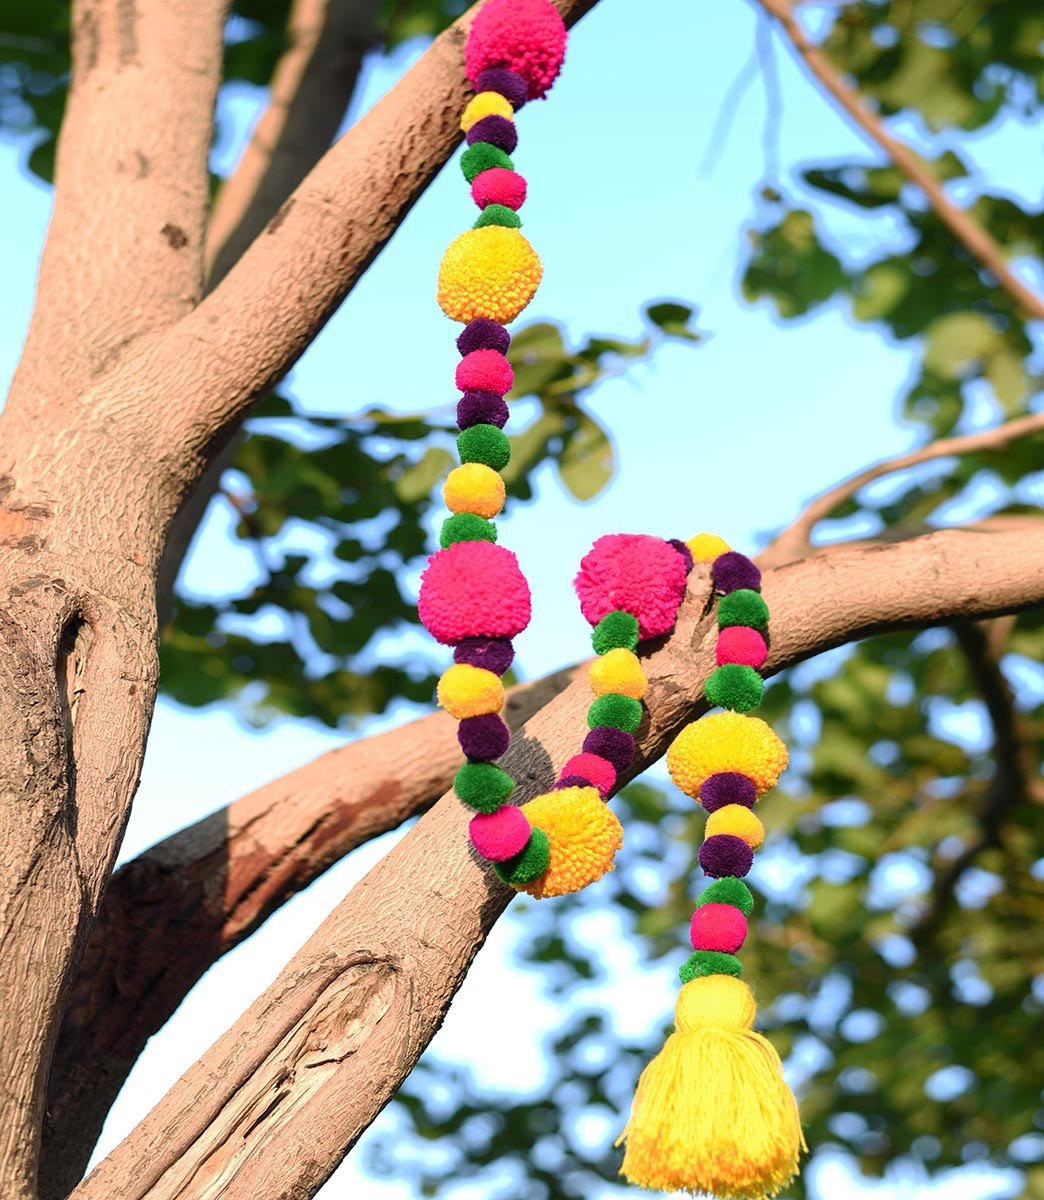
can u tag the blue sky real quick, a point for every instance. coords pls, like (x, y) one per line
(732, 436)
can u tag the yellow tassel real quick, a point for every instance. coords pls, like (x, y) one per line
(712, 1112)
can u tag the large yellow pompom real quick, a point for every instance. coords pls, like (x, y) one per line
(486, 104)
(466, 691)
(738, 821)
(726, 741)
(474, 488)
(706, 547)
(618, 671)
(584, 836)
(488, 272)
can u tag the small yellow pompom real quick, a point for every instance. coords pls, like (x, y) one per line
(466, 691)
(584, 835)
(474, 488)
(488, 272)
(618, 671)
(738, 821)
(714, 1002)
(486, 104)
(705, 547)
(726, 741)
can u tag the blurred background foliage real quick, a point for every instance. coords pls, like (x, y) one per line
(899, 897)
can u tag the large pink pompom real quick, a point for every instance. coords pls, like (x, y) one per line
(473, 589)
(526, 36)
(635, 573)
(500, 835)
(595, 769)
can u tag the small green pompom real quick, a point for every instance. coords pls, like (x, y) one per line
(530, 864)
(615, 631)
(734, 686)
(498, 214)
(466, 527)
(484, 444)
(709, 962)
(480, 157)
(622, 712)
(743, 607)
(482, 786)
(728, 890)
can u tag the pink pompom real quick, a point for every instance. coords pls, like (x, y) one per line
(485, 371)
(718, 927)
(642, 575)
(501, 834)
(526, 36)
(739, 644)
(594, 769)
(473, 589)
(498, 185)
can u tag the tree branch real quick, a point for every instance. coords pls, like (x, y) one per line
(973, 237)
(282, 1096)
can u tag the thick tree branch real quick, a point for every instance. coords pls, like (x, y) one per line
(352, 1012)
(972, 236)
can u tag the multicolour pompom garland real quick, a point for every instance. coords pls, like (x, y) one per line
(712, 1112)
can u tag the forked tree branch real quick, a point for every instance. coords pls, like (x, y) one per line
(976, 240)
(286, 1092)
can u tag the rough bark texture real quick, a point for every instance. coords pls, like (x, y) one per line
(291, 1086)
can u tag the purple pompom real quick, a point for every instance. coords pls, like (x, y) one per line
(683, 550)
(568, 781)
(481, 408)
(727, 787)
(498, 131)
(616, 746)
(725, 854)
(489, 653)
(509, 84)
(484, 334)
(483, 738)
(732, 571)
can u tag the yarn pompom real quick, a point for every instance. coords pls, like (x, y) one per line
(528, 865)
(622, 712)
(683, 550)
(728, 890)
(481, 408)
(619, 671)
(717, 927)
(731, 572)
(482, 786)
(492, 653)
(584, 836)
(598, 771)
(484, 739)
(466, 691)
(466, 527)
(496, 130)
(482, 157)
(571, 781)
(743, 608)
(489, 272)
(703, 963)
(738, 821)
(725, 854)
(734, 686)
(706, 547)
(498, 214)
(474, 488)
(615, 630)
(483, 334)
(500, 835)
(727, 787)
(726, 742)
(525, 36)
(499, 186)
(488, 102)
(486, 444)
(741, 645)
(473, 589)
(509, 84)
(616, 746)
(635, 573)
(485, 371)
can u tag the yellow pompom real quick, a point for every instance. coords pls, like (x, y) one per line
(474, 488)
(584, 836)
(726, 741)
(618, 671)
(488, 272)
(712, 1112)
(466, 691)
(486, 104)
(739, 821)
(705, 547)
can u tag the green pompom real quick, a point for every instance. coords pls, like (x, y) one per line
(616, 630)
(480, 157)
(709, 962)
(484, 444)
(622, 712)
(466, 527)
(530, 864)
(743, 607)
(728, 890)
(482, 786)
(734, 686)
(498, 214)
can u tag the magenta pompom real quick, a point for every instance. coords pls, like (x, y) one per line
(732, 572)
(596, 770)
(485, 371)
(497, 131)
(727, 787)
(499, 835)
(725, 854)
(491, 654)
(483, 334)
(483, 738)
(511, 86)
(641, 575)
(498, 185)
(525, 36)
(743, 645)
(481, 408)
(473, 589)
(615, 745)
(718, 927)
